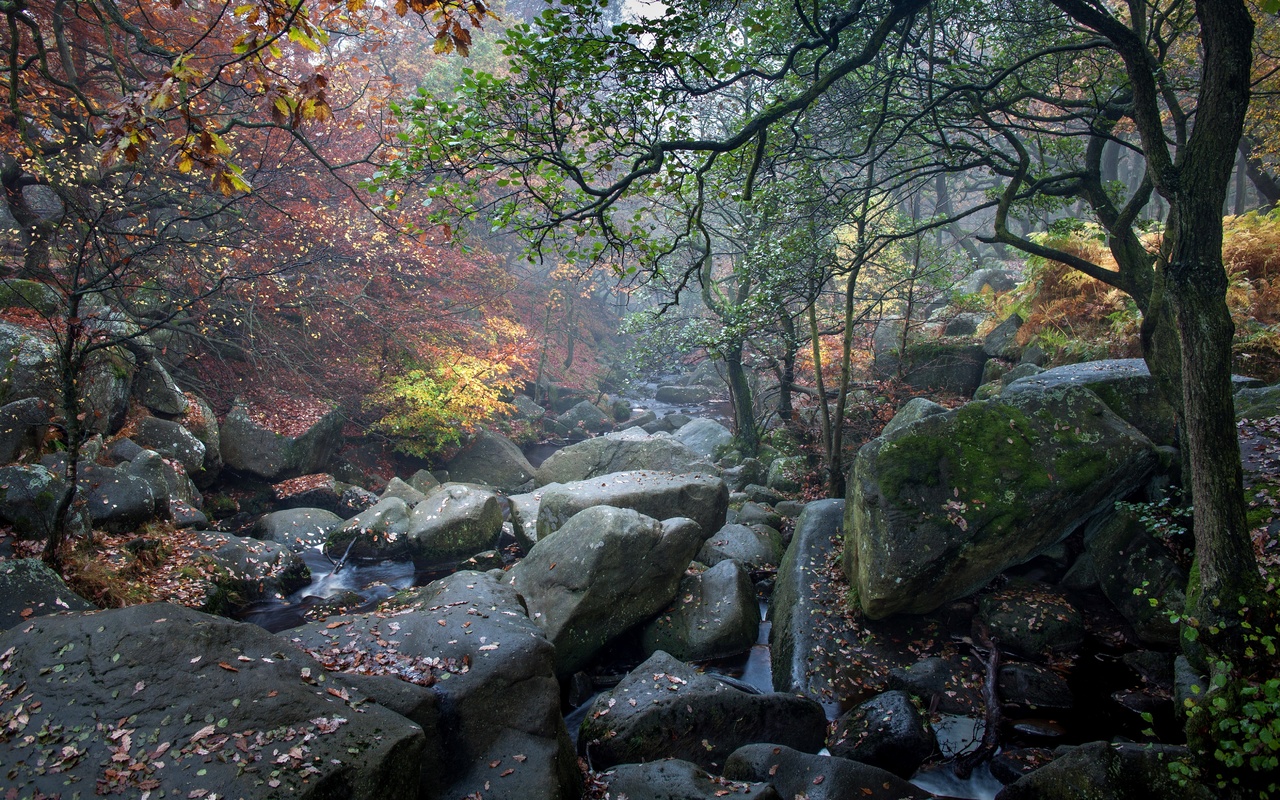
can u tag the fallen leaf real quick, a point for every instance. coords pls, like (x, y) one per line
(227, 666)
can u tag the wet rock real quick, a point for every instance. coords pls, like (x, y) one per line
(1133, 569)
(117, 501)
(799, 774)
(942, 685)
(504, 706)
(297, 528)
(1109, 772)
(887, 731)
(715, 614)
(29, 589)
(682, 395)
(1034, 688)
(454, 523)
(354, 500)
(23, 424)
(700, 497)
(678, 780)
(246, 570)
(681, 713)
(1010, 765)
(585, 417)
(398, 488)
(377, 533)
(29, 496)
(606, 570)
(1032, 619)
(206, 696)
(705, 437)
(250, 447)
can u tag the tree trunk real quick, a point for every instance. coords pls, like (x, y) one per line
(744, 414)
(1268, 188)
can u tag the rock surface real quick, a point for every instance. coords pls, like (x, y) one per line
(715, 614)
(122, 691)
(621, 452)
(799, 774)
(678, 780)
(250, 447)
(454, 523)
(494, 460)
(29, 589)
(681, 713)
(953, 500)
(700, 497)
(887, 731)
(606, 570)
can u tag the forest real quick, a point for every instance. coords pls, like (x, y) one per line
(896, 384)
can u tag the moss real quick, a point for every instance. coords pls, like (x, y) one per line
(990, 449)
(1081, 467)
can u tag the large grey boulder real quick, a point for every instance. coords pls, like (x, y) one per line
(1258, 403)
(1139, 576)
(399, 488)
(1106, 771)
(678, 780)
(804, 607)
(752, 547)
(917, 408)
(584, 416)
(23, 424)
(955, 368)
(706, 437)
(715, 614)
(1124, 384)
(667, 709)
(454, 523)
(171, 440)
(1032, 619)
(493, 460)
(604, 571)
(1002, 342)
(621, 452)
(250, 446)
(948, 503)
(229, 709)
(524, 515)
(297, 528)
(30, 362)
(118, 501)
(467, 639)
(682, 395)
(29, 496)
(379, 532)
(797, 774)
(888, 731)
(157, 391)
(203, 424)
(700, 497)
(29, 588)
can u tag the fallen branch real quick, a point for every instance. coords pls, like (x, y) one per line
(965, 764)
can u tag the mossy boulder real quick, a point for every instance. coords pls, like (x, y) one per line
(379, 532)
(1258, 403)
(1139, 576)
(949, 502)
(1124, 384)
(40, 297)
(952, 367)
(1120, 771)
(454, 523)
(1032, 619)
(250, 446)
(29, 496)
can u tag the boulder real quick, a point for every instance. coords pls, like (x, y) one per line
(682, 395)
(29, 495)
(603, 572)
(526, 409)
(752, 548)
(31, 362)
(681, 713)
(229, 710)
(203, 424)
(156, 390)
(250, 446)
(639, 420)
(584, 416)
(705, 437)
(621, 452)
(797, 774)
(748, 472)
(454, 523)
(1259, 403)
(804, 605)
(355, 500)
(29, 588)
(1032, 619)
(917, 408)
(524, 515)
(116, 500)
(1124, 384)
(1121, 771)
(677, 780)
(40, 297)
(1139, 577)
(23, 424)
(946, 504)
(715, 614)
(621, 410)
(965, 324)
(1033, 688)
(754, 514)
(246, 570)
(955, 368)
(171, 440)
(377, 533)
(423, 481)
(466, 637)
(700, 497)
(787, 474)
(398, 488)
(168, 482)
(492, 460)
(319, 490)
(943, 685)
(888, 731)
(990, 279)
(1002, 341)
(297, 528)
